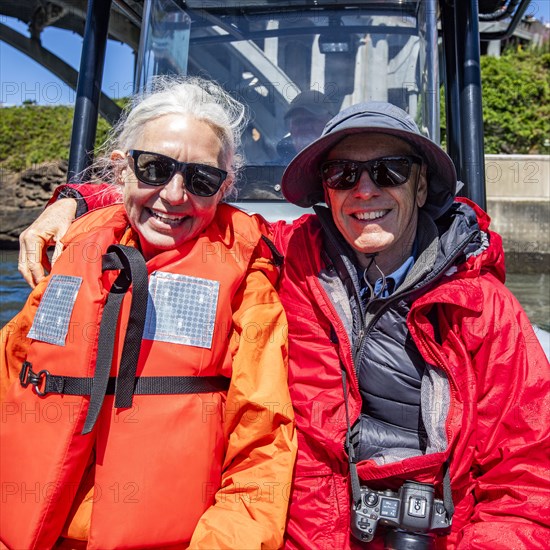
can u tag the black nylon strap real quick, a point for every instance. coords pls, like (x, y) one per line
(111, 261)
(447, 492)
(124, 258)
(354, 476)
(135, 263)
(145, 385)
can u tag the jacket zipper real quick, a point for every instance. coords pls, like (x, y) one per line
(434, 276)
(356, 351)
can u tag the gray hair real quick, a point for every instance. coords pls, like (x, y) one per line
(196, 97)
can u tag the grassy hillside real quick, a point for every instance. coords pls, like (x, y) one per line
(31, 134)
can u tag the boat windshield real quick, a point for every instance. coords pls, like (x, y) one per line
(295, 68)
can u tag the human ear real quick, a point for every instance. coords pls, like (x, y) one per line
(118, 158)
(327, 196)
(226, 188)
(422, 187)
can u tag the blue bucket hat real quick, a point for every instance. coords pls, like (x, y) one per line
(301, 183)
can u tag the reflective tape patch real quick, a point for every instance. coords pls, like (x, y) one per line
(51, 322)
(181, 309)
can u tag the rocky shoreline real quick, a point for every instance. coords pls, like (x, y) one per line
(23, 196)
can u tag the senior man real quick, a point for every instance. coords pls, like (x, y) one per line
(419, 388)
(409, 358)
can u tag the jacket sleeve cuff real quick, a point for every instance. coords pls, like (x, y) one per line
(89, 196)
(68, 192)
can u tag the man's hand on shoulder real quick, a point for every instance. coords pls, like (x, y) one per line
(48, 229)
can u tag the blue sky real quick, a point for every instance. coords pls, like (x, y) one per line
(23, 79)
(540, 10)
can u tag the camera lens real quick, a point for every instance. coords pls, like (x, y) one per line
(402, 540)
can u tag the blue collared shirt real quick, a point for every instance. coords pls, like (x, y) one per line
(393, 280)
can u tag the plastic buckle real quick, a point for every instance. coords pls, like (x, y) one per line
(24, 373)
(27, 376)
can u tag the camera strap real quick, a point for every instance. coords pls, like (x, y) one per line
(354, 476)
(447, 494)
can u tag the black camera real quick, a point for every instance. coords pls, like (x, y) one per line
(414, 517)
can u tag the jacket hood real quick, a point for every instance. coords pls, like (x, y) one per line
(465, 222)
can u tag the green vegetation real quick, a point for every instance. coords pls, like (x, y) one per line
(516, 112)
(516, 101)
(31, 134)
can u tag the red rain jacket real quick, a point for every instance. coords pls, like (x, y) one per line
(498, 421)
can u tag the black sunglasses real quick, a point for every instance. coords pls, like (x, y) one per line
(383, 171)
(156, 169)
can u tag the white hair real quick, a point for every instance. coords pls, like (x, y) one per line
(194, 97)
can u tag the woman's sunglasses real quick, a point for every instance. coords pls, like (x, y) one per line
(156, 169)
(383, 171)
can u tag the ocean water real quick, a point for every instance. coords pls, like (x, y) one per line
(532, 291)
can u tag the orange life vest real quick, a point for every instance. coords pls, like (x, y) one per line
(155, 465)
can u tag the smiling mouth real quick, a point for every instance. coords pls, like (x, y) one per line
(366, 216)
(173, 221)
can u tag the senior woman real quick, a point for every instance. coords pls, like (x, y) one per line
(144, 381)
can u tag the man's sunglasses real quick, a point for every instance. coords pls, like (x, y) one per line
(383, 171)
(156, 169)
